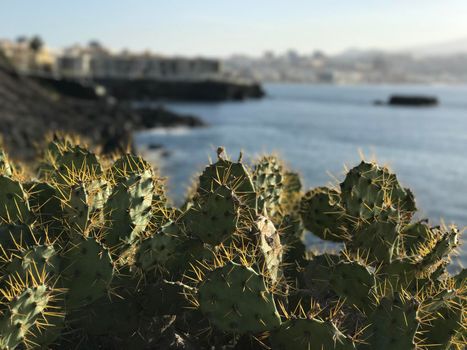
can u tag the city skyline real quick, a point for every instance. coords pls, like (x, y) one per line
(213, 28)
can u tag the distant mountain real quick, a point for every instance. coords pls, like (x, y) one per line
(447, 48)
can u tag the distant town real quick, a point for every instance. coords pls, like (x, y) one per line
(351, 67)
(95, 61)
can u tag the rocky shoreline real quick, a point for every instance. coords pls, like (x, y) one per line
(29, 110)
(186, 90)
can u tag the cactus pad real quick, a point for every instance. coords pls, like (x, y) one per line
(306, 334)
(14, 204)
(213, 217)
(322, 214)
(86, 272)
(235, 299)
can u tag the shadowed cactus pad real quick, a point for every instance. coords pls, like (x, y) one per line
(86, 272)
(351, 281)
(322, 214)
(158, 250)
(35, 262)
(306, 334)
(214, 216)
(235, 299)
(15, 206)
(392, 325)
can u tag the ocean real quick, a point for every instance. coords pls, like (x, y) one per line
(320, 129)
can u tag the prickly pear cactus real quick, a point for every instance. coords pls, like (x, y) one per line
(239, 292)
(322, 214)
(213, 218)
(393, 324)
(93, 256)
(86, 271)
(369, 190)
(128, 209)
(268, 181)
(233, 175)
(15, 206)
(304, 334)
(22, 308)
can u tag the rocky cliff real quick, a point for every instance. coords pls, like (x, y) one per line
(29, 110)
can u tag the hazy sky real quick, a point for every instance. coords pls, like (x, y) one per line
(222, 27)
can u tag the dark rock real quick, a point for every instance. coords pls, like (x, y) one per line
(206, 90)
(72, 88)
(415, 100)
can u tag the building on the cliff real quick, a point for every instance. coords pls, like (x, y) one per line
(28, 55)
(95, 62)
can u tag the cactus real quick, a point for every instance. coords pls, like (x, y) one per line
(92, 253)
(213, 217)
(23, 307)
(268, 181)
(239, 292)
(86, 271)
(128, 209)
(304, 334)
(15, 206)
(392, 325)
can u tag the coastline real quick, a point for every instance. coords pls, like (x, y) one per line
(29, 111)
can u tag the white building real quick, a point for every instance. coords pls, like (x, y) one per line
(98, 63)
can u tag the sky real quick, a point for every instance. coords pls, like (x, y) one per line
(224, 27)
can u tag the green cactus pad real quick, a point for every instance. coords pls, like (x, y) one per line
(322, 214)
(44, 200)
(76, 163)
(213, 218)
(128, 209)
(20, 313)
(368, 190)
(158, 250)
(392, 325)
(292, 182)
(128, 166)
(306, 334)
(76, 210)
(353, 282)
(446, 325)
(318, 272)
(235, 299)
(416, 235)
(232, 175)
(86, 272)
(445, 245)
(37, 261)
(14, 206)
(379, 242)
(268, 181)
